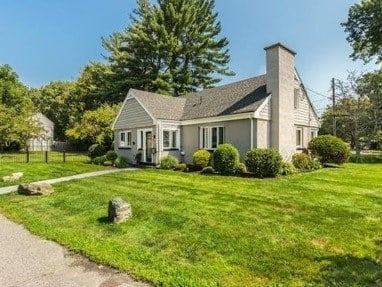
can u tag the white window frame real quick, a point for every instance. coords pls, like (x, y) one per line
(174, 138)
(128, 139)
(205, 137)
(313, 133)
(301, 139)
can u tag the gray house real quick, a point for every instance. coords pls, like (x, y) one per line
(44, 141)
(267, 111)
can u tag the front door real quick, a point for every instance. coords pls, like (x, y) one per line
(148, 147)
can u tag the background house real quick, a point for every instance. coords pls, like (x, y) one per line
(268, 111)
(44, 141)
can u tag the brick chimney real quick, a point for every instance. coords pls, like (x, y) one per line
(280, 84)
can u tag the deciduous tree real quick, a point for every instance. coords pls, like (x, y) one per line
(364, 29)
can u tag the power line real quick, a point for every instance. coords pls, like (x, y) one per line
(317, 93)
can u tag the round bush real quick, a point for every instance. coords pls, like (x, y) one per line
(169, 162)
(287, 168)
(96, 150)
(208, 170)
(201, 158)
(121, 162)
(225, 159)
(181, 167)
(99, 160)
(329, 149)
(111, 155)
(241, 168)
(108, 163)
(301, 161)
(263, 162)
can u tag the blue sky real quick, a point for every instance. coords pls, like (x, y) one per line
(52, 40)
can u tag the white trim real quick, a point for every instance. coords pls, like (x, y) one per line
(261, 107)
(120, 111)
(251, 133)
(126, 142)
(241, 116)
(143, 144)
(301, 137)
(208, 130)
(169, 122)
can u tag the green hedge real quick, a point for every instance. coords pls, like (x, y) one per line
(263, 162)
(329, 149)
(225, 159)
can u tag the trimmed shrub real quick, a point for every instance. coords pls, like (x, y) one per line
(169, 162)
(287, 168)
(301, 161)
(111, 155)
(108, 163)
(181, 167)
(329, 149)
(263, 162)
(121, 162)
(314, 164)
(201, 158)
(96, 150)
(241, 168)
(208, 170)
(99, 160)
(225, 159)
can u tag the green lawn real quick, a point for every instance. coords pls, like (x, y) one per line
(40, 171)
(316, 229)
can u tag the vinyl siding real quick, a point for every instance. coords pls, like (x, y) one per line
(265, 113)
(133, 115)
(304, 114)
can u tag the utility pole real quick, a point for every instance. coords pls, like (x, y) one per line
(334, 107)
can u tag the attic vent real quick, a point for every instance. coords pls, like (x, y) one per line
(296, 98)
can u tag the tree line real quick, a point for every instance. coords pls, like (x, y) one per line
(174, 47)
(171, 47)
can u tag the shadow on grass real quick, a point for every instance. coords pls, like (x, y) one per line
(348, 270)
(104, 219)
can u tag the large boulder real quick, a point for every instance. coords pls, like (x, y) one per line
(119, 210)
(35, 188)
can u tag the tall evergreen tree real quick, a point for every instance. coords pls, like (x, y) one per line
(172, 48)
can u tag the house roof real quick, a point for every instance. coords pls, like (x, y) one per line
(239, 97)
(160, 106)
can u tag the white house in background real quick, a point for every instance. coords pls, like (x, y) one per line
(267, 111)
(44, 141)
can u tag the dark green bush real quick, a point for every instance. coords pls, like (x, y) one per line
(111, 155)
(263, 162)
(208, 170)
(287, 168)
(99, 160)
(201, 158)
(95, 150)
(181, 167)
(121, 162)
(241, 168)
(168, 162)
(301, 161)
(366, 158)
(225, 159)
(329, 149)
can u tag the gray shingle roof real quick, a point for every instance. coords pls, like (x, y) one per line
(160, 106)
(239, 97)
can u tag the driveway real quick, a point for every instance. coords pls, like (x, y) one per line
(29, 261)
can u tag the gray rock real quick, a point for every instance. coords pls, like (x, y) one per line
(35, 188)
(119, 210)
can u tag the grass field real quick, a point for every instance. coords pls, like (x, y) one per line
(40, 171)
(316, 229)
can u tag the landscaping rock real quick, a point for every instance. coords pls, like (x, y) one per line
(119, 210)
(35, 188)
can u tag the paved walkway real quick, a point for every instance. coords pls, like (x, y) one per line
(29, 261)
(9, 189)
